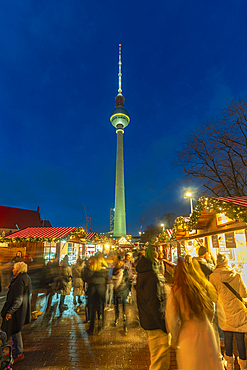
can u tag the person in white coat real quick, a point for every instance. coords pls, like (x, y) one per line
(189, 313)
(235, 310)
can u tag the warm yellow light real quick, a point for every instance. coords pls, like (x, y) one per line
(188, 194)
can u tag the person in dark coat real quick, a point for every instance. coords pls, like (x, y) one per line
(37, 272)
(53, 276)
(96, 275)
(16, 311)
(121, 284)
(151, 308)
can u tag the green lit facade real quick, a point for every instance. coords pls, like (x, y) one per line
(120, 119)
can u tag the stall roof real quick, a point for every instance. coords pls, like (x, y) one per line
(90, 235)
(240, 201)
(206, 207)
(51, 233)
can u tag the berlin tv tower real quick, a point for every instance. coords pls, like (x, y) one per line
(120, 119)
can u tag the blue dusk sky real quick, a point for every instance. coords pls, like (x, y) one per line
(182, 62)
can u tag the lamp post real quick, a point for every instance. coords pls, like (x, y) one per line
(188, 195)
(163, 227)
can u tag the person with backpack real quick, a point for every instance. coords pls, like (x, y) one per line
(231, 290)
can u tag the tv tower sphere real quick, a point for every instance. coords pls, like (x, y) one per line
(120, 119)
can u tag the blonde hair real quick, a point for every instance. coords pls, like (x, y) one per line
(97, 263)
(193, 292)
(20, 267)
(196, 272)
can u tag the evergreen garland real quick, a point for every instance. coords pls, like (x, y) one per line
(231, 210)
(79, 231)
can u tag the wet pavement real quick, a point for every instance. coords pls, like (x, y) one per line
(60, 341)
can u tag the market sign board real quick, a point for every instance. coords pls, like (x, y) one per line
(222, 219)
(224, 241)
(230, 240)
(215, 241)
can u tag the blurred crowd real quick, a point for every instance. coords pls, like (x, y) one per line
(199, 312)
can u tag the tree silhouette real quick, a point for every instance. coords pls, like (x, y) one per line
(168, 219)
(150, 234)
(216, 153)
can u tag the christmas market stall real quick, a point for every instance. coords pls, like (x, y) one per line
(167, 249)
(49, 241)
(97, 243)
(219, 224)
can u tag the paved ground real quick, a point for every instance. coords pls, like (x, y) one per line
(60, 341)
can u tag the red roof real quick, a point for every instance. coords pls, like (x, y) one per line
(90, 235)
(240, 201)
(14, 218)
(42, 232)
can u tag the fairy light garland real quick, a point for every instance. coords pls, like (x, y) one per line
(79, 232)
(231, 210)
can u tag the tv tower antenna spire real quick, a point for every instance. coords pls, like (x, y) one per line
(119, 72)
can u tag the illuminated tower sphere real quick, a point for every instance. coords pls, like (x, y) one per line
(120, 119)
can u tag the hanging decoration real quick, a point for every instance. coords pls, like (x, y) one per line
(163, 237)
(79, 232)
(232, 211)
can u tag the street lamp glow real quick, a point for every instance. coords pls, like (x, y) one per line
(188, 195)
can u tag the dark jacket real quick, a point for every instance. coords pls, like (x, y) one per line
(121, 283)
(96, 281)
(18, 304)
(53, 275)
(95, 277)
(206, 267)
(150, 302)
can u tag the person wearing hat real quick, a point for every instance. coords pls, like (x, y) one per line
(205, 260)
(235, 311)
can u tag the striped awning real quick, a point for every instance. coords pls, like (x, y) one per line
(90, 235)
(240, 201)
(41, 232)
(169, 232)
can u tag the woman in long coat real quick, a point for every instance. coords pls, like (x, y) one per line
(96, 275)
(189, 313)
(16, 311)
(78, 283)
(121, 284)
(65, 284)
(235, 311)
